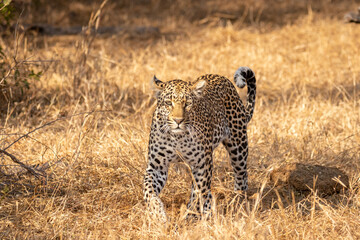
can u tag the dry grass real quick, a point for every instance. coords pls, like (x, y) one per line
(307, 111)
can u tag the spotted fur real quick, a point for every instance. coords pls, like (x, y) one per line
(189, 122)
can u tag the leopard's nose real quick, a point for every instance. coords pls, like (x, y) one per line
(178, 120)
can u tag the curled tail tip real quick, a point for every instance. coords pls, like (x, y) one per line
(242, 75)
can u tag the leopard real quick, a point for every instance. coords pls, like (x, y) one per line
(190, 120)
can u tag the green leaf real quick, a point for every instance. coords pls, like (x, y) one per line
(4, 4)
(16, 74)
(26, 83)
(34, 75)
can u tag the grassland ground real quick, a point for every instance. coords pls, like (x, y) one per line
(306, 60)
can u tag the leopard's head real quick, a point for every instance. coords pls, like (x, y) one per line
(175, 102)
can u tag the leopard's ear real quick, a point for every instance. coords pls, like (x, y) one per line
(198, 87)
(157, 85)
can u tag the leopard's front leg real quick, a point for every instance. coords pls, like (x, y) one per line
(156, 176)
(201, 197)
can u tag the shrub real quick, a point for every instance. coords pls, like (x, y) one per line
(15, 75)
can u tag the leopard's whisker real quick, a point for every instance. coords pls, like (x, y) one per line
(188, 127)
(164, 128)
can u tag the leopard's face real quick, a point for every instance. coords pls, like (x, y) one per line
(175, 104)
(176, 107)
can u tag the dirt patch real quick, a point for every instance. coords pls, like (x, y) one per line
(302, 177)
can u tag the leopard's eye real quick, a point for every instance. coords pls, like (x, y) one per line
(168, 102)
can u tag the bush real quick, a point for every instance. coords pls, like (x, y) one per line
(15, 75)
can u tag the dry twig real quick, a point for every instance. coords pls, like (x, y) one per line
(31, 170)
(37, 171)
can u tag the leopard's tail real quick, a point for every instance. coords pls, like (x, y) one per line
(245, 76)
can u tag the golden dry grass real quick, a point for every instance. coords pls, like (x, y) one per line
(307, 110)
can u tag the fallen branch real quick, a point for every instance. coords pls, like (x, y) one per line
(49, 123)
(41, 170)
(28, 168)
(38, 167)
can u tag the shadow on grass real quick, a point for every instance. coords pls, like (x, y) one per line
(260, 197)
(205, 13)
